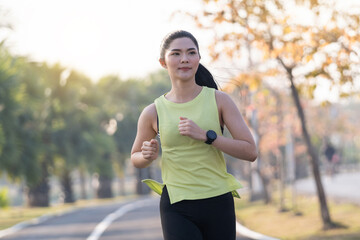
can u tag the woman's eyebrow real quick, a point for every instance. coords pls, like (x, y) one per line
(179, 50)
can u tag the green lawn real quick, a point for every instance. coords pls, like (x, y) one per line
(268, 220)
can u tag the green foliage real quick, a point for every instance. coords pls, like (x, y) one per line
(4, 198)
(9, 106)
(55, 120)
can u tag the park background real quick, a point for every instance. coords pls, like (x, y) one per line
(75, 75)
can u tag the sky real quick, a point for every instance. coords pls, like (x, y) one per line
(97, 37)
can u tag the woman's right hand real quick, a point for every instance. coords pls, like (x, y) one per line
(150, 149)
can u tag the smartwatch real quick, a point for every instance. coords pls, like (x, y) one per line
(210, 136)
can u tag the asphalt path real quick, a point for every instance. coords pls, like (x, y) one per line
(76, 224)
(132, 220)
(343, 186)
(139, 219)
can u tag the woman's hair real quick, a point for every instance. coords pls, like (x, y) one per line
(202, 76)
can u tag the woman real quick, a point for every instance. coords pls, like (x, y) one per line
(197, 192)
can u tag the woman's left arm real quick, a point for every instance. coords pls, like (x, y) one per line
(242, 144)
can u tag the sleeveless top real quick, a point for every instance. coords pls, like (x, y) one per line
(190, 168)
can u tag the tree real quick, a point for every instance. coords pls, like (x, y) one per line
(9, 104)
(123, 102)
(75, 130)
(39, 107)
(324, 49)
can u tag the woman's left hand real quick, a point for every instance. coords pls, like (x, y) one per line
(188, 128)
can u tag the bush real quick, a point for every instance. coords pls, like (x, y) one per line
(4, 198)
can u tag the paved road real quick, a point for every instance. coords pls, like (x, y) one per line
(342, 186)
(137, 220)
(74, 225)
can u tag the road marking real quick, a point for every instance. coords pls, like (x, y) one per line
(105, 223)
(251, 234)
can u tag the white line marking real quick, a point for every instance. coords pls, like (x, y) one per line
(104, 224)
(251, 234)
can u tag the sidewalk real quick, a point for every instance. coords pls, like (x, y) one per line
(342, 186)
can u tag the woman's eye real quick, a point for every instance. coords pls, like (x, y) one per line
(193, 53)
(175, 53)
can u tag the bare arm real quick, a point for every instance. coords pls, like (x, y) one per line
(145, 148)
(241, 145)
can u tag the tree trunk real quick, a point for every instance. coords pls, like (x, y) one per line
(66, 183)
(281, 169)
(82, 177)
(122, 191)
(325, 215)
(259, 188)
(105, 187)
(38, 194)
(248, 166)
(142, 188)
(265, 183)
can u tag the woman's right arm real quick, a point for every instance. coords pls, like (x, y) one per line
(145, 148)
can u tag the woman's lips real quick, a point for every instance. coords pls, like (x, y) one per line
(185, 68)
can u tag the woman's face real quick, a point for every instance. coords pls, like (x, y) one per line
(181, 59)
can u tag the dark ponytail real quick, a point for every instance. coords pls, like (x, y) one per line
(202, 76)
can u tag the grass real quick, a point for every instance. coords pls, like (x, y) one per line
(14, 215)
(304, 224)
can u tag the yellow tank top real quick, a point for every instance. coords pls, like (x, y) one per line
(190, 168)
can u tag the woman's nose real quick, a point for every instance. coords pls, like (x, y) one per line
(184, 58)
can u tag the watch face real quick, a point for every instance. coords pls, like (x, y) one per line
(211, 135)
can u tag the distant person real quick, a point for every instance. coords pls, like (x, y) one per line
(332, 158)
(329, 151)
(197, 191)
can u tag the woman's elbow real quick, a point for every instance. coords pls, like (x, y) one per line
(253, 157)
(134, 161)
(135, 164)
(139, 162)
(253, 154)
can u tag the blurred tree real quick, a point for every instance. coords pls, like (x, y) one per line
(22, 101)
(40, 81)
(117, 119)
(22, 104)
(268, 114)
(321, 49)
(123, 103)
(10, 102)
(76, 129)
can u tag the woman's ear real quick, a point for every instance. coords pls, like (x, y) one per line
(162, 62)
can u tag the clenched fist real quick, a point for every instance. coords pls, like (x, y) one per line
(188, 128)
(150, 149)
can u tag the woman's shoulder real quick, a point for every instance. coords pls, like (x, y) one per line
(222, 97)
(150, 111)
(148, 117)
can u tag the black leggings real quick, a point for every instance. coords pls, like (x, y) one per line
(204, 219)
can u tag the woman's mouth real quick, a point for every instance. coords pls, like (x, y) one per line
(185, 68)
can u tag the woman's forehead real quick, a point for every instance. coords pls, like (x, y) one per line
(182, 43)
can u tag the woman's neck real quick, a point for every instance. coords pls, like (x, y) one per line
(183, 92)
